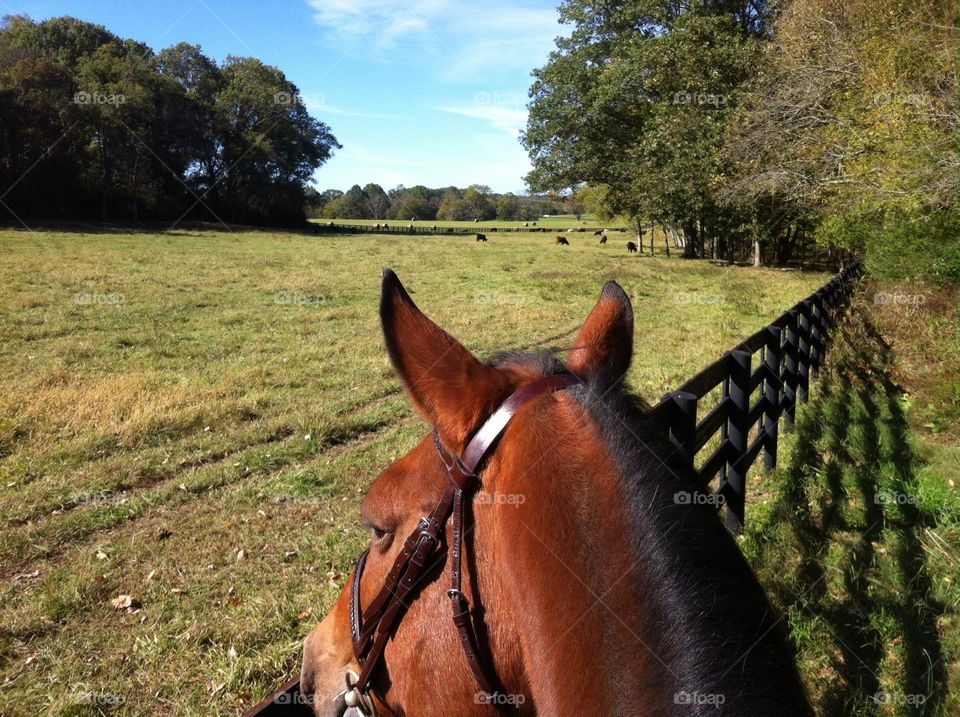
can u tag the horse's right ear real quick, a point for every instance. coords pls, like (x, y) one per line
(447, 384)
(604, 346)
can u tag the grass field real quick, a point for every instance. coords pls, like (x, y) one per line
(191, 419)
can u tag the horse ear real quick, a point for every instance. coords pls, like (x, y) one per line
(605, 344)
(447, 384)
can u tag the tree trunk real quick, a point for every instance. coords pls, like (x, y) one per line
(757, 253)
(133, 185)
(689, 240)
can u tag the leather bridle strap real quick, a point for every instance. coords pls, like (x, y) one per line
(371, 628)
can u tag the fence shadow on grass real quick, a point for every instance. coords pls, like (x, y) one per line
(839, 550)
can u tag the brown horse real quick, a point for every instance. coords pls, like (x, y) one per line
(596, 590)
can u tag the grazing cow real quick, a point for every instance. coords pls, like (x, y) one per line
(476, 220)
(562, 242)
(526, 224)
(570, 231)
(631, 247)
(603, 240)
(481, 237)
(534, 224)
(598, 233)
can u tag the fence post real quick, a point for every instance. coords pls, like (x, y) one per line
(789, 375)
(816, 335)
(803, 352)
(772, 388)
(737, 429)
(682, 414)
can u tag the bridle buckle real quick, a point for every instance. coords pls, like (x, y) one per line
(355, 699)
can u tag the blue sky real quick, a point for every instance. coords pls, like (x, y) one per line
(418, 92)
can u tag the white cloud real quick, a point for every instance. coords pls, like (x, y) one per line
(505, 119)
(471, 39)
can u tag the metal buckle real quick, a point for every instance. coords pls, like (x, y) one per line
(355, 699)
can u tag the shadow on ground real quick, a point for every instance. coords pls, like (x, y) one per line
(839, 548)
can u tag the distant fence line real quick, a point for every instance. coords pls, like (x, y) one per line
(413, 229)
(791, 351)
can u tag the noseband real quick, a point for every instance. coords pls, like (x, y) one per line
(371, 628)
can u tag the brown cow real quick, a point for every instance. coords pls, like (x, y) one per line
(562, 242)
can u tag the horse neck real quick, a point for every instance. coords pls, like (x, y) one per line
(573, 584)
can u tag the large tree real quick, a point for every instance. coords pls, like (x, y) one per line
(93, 120)
(852, 124)
(637, 98)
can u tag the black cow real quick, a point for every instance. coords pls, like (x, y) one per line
(562, 242)
(603, 240)
(481, 237)
(631, 247)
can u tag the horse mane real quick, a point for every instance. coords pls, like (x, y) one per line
(713, 628)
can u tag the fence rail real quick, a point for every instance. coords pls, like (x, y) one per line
(791, 351)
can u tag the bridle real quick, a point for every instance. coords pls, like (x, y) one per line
(371, 628)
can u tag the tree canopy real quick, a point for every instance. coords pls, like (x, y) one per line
(747, 125)
(94, 124)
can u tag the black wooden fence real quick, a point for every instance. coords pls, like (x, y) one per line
(790, 352)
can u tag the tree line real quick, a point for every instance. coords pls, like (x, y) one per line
(93, 125)
(476, 202)
(749, 128)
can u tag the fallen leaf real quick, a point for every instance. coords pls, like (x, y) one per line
(305, 614)
(101, 555)
(27, 576)
(125, 602)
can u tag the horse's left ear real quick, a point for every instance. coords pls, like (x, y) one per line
(605, 344)
(447, 384)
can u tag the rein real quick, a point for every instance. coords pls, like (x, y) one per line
(371, 628)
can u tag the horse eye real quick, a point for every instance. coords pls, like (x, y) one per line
(378, 533)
